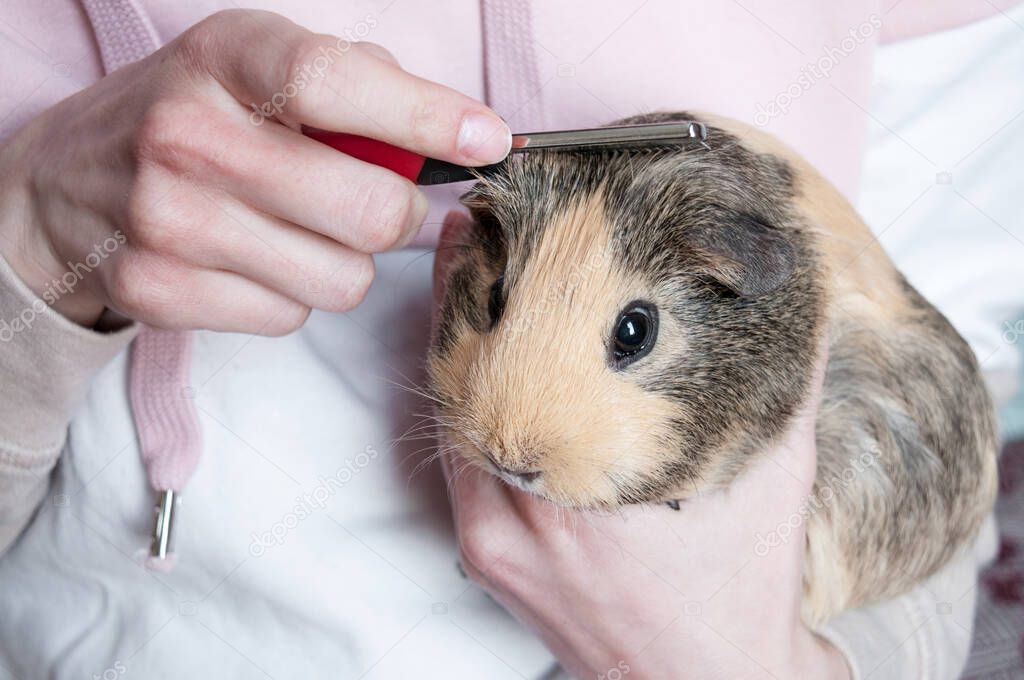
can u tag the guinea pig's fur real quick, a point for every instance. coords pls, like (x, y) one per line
(749, 257)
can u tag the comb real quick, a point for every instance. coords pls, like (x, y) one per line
(427, 171)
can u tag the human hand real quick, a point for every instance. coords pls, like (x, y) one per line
(650, 592)
(175, 201)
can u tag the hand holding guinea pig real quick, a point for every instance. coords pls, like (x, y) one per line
(648, 592)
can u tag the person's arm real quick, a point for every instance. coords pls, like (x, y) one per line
(46, 363)
(925, 633)
(178, 191)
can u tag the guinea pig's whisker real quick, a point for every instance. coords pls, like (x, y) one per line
(456, 246)
(423, 465)
(425, 432)
(431, 444)
(434, 251)
(458, 471)
(430, 447)
(427, 428)
(417, 429)
(426, 462)
(444, 420)
(415, 389)
(421, 430)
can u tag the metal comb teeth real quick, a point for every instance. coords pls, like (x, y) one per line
(649, 134)
(644, 136)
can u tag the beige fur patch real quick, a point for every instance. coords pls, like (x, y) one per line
(540, 395)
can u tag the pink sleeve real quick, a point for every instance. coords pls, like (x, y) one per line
(903, 19)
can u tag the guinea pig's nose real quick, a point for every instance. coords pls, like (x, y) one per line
(524, 475)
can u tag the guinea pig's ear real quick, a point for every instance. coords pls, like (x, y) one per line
(748, 256)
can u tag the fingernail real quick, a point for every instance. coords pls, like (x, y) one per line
(484, 138)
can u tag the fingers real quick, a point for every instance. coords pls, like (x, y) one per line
(808, 414)
(205, 227)
(301, 265)
(279, 172)
(486, 523)
(360, 205)
(478, 498)
(295, 262)
(377, 51)
(332, 84)
(167, 294)
(821, 366)
(796, 450)
(472, 488)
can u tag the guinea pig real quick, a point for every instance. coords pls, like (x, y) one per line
(632, 326)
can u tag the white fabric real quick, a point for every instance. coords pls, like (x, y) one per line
(367, 583)
(370, 576)
(943, 190)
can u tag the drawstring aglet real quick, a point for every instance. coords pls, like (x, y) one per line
(163, 530)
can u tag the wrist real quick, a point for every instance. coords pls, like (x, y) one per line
(26, 248)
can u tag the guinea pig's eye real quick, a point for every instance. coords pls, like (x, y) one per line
(496, 301)
(635, 333)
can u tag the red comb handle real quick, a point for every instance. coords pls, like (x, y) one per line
(402, 161)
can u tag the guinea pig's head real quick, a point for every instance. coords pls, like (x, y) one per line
(627, 326)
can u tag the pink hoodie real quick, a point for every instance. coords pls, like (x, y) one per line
(799, 69)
